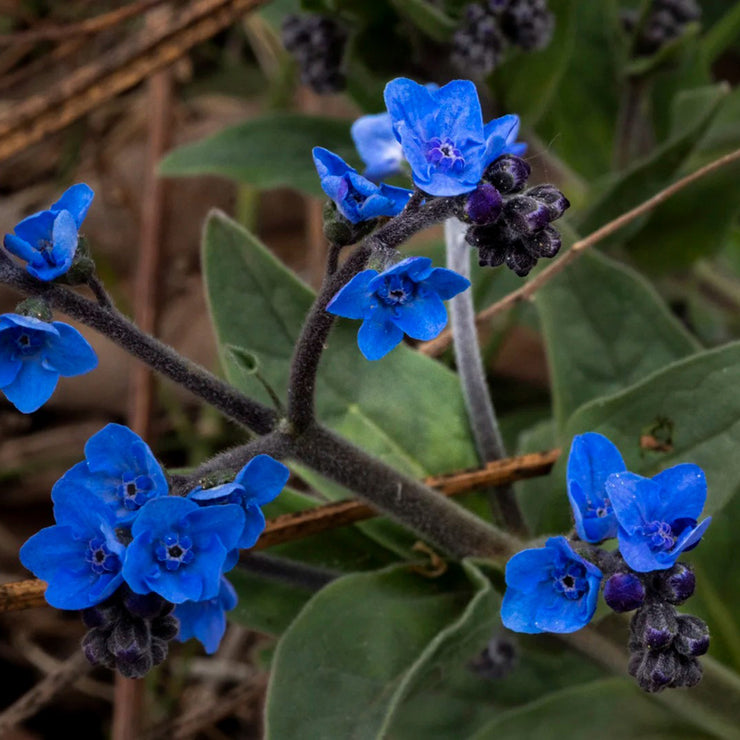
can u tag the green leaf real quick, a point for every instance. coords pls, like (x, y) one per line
(271, 151)
(692, 112)
(365, 642)
(612, 709)
(692, 408)
(722, 34)
(406, 408)
(426, 17)
(605, 328)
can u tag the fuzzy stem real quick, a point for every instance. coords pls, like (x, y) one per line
(154, 353)
(481, 414)
(291, 572)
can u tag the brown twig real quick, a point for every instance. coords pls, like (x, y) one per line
(84, 28)
(289, 527)
(436, 346)
(121, 69)
(43, 691)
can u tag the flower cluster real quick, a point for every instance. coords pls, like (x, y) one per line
(555, 588)
(47, 240)
(125, 551)
(666, 21)
(488, 29)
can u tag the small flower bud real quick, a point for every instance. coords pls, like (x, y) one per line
(507, 173)
(688, 674)
(655, 670)
(526, 215)
(144, 605)
(37, 308)
(552, 198)
(624, 592)
(94, 646)
(484, 204)
(496, 660)
(654, 625)
(677, 584)
(159, 650)
(692, 639)
(543, 243)
(165, 628)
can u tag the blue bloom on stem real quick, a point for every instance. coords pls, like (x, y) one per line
(34, 353)
(657, 516)
(206, 620)
(593, 458)
(377, 145)
(47, 240)
(79, 557)
(443, 137)
(549, 589)
(255, 485)
(357, 198)
(180, 550)
(119, 469)
(407, 298)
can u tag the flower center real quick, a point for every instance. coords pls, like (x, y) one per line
(396, 290)
(600, 508)
(100, 558)
(444, 154)
(46, 247)
(174, 551)
(28, 344)
(134, 491)
(570, 580)
(661, 535)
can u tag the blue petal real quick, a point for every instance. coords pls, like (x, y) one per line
(9, 364)
(139, 565)
(378, 336)
(500, 134)
(637, 553)
(226, 522)
(254, 525)
(35, 228)
(424, 317)
(216, 494)
(459, 113)
(76, 200)
(263, 478)
(528, 567)
(8, 320)
(19, 247)
(634, 498)
(416, 268)
(32, 387)
(684, 492)
(447, 283)
(353, 301)
(64, 240)
(396, 199)
(158, 516)
(206, 620)
(69, 353)
(691, 537)
(331, 168)
(519, 609)
(377, 145)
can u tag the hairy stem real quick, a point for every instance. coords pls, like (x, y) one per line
(481, 414)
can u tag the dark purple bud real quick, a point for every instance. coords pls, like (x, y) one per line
(688, 674)
(551, 197)
(165, 628)
(654, 626)
(496, 660)
(134, 664)
(677, 584)
(508, 173)
(484, 204)
(94, 646)
(144, 605)
(692, 639)
(94, 617)
(543, 243)
(624, 592)
(130, 635)
(656, 670)
(526, 215)
(520, 261)
(159, 650)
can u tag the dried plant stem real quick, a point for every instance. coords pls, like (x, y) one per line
(436, 346)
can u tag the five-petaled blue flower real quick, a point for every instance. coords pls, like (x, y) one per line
(357, 198)
(34, 353)
(255, 485)
(206, 620)
(377, 145)
(407, 298)
(593, 458)
(119, 469)
(47, 240)
(549, 589)
(180, 549)
(79, 557)
(657, 516)
(442, 134)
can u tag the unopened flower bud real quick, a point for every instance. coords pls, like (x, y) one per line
(677, 584)
(692, 639)
(543, 243)
(655, 670)
(526, 215)
(552, 198)
(508, 173)
(484, 204)
(624, 592)
(655, 625)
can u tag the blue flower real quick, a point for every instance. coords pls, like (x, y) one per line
(255, 485)
(657, 516)
(593, 458)
(47, 240)
(119, 469)
(407, 298)
(356, 197)
(377, 145)
(34, 353)
(206, 620)
(180, 550)
(549, 589)
(442, 134)
(79, 557)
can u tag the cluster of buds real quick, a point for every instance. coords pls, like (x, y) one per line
(511, 225)
(665, 21)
